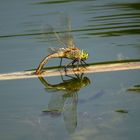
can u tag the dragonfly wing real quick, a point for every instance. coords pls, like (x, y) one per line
(51, 36)
(52, 50)
(62, 36)
(67, 37)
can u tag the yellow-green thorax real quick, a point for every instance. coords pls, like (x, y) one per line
(72, 53)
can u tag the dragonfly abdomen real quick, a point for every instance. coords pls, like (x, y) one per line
(57, 55)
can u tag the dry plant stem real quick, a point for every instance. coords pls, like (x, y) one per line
(90, 69)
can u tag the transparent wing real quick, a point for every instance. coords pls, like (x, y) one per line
(61, 37)
(67, 37)
(52, 50)
(70, 114)
(51, 36)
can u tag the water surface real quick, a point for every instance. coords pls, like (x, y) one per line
(69, 107)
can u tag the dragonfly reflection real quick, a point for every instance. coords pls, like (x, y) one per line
(65, 102)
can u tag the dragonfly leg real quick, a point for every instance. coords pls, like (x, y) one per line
(65, 67)
(84, 62)
(62, 77)
(69, 77)
(61, 62)
(73, 63)
(79, 76)
(78, 64)
(83, 65)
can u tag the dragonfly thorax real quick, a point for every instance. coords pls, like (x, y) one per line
(75, 54)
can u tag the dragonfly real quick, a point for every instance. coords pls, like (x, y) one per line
(68, 49)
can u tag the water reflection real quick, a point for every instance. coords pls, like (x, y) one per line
(60, 1)
(65, 102)
(103, 19)
(134, 5)
(134, 89)
(113, 19)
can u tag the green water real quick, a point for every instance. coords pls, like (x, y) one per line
(93, 106)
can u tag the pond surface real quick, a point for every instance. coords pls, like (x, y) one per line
(93, 106)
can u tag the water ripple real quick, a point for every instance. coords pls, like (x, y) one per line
(102, 19)
(113, 19)
(59, 1)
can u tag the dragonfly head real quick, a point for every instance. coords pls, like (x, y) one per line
(84, 55)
